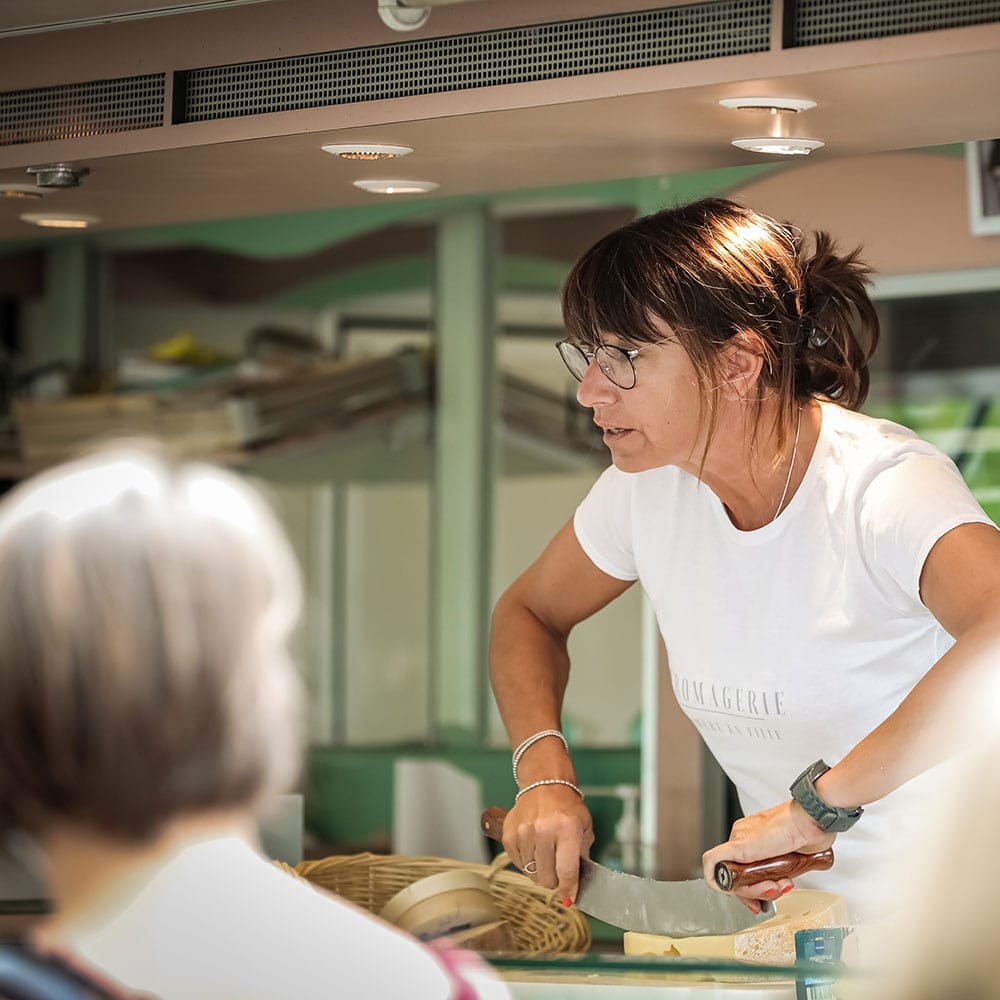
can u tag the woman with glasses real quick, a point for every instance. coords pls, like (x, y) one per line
(822, 580)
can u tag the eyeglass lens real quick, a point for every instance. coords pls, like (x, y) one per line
(613, 361)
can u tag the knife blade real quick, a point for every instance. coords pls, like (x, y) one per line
(690, 908)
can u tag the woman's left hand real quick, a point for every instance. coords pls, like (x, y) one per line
(779, 830)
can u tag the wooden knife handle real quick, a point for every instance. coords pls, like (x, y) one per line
(732, 875)
(491, 822)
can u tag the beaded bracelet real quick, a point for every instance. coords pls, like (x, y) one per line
(531, 741)
(549, 781)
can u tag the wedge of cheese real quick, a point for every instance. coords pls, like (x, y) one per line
(771, 942)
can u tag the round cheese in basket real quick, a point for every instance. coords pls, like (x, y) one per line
(442, 904)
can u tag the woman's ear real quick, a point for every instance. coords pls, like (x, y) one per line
(742, 361)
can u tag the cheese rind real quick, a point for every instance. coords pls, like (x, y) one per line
(771, 942)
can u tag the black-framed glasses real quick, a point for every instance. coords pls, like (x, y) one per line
(615, 362)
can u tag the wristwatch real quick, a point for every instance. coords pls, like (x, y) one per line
(832, 819)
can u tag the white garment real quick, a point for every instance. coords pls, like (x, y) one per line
(216, 921)
(794, 641)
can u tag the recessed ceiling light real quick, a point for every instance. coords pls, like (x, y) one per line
(774, 105)
(779, 145)
(59, 220)
(26, 191)
(366, 150)
(396, 186)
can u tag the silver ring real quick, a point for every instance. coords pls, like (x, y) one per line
(530, 868)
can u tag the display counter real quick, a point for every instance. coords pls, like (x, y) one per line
(609, 977)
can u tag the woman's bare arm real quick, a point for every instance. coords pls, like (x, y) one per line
(529, 670)
(947, 710)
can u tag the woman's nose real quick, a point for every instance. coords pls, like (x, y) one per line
(595, 387)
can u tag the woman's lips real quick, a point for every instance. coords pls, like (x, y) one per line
(616, 433)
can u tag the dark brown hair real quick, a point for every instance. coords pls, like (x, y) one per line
(144, 607)
(713, 269)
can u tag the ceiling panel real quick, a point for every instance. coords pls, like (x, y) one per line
(874, 96)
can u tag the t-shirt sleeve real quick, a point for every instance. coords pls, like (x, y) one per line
(905, 509)
(603, 525)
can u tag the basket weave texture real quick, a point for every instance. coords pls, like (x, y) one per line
(541, 925)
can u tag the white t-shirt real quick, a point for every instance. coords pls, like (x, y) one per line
(794, 641)
(216, 921)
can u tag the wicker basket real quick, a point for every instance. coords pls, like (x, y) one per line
(539, 921)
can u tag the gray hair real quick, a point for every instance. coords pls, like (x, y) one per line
(145, 608)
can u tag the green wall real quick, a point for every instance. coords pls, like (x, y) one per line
(348, 792)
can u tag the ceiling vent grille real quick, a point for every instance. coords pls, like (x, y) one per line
(482, 59)
(75, 110)
(821, 22)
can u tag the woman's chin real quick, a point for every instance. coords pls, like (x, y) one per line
(628, 458)
(631, 463)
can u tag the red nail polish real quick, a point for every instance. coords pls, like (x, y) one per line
(771, 893)
(566, 901)
(787, 889)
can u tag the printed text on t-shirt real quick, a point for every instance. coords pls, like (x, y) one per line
(727, 699)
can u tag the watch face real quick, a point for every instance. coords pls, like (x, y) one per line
(828, 821)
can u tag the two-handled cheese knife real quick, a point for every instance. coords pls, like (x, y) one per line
(679, 909)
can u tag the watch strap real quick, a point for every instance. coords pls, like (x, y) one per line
(832, 819)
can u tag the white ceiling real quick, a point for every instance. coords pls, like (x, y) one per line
(873, 96)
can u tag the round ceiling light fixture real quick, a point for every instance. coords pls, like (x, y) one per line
(773, 105)
(58, 175)
(404, 16)
(59, 220)
(396, 186)
(366, 150)
(779, 145)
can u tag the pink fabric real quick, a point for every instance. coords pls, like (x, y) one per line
(459, 962)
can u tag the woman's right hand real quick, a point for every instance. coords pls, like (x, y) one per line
(529, 669)
(551, 826)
